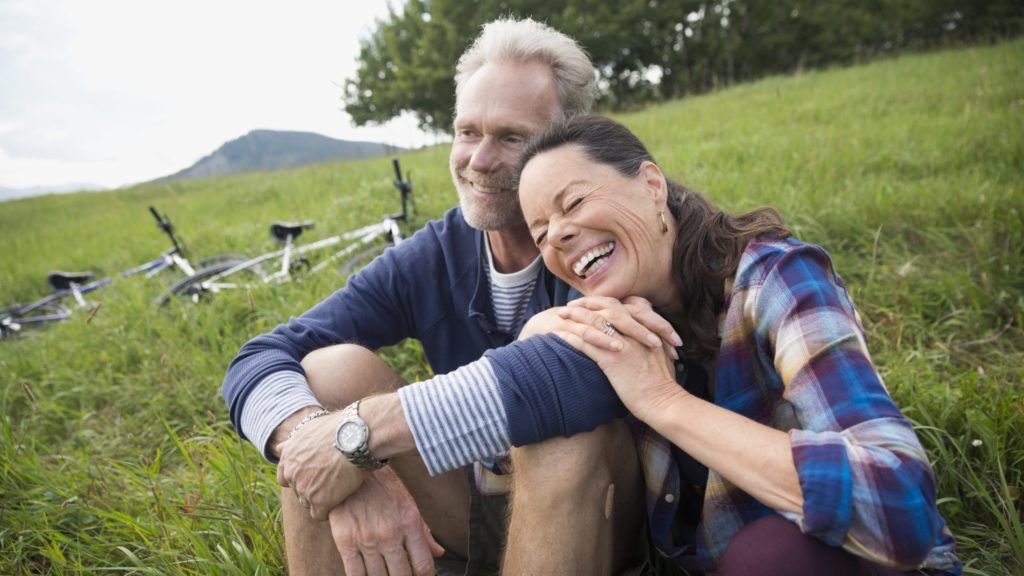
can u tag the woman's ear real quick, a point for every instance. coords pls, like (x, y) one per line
(655, 183)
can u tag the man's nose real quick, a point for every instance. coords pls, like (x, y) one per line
(485, 156)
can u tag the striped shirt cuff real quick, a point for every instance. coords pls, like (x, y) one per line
(273, 400)
(457, 418)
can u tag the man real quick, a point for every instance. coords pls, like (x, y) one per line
(461, 286)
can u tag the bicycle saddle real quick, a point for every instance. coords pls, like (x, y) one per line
(63, 280)
(282, 230)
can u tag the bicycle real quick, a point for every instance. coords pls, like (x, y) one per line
(358, 247)
(51, 308)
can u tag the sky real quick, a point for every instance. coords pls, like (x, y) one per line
(114, 92)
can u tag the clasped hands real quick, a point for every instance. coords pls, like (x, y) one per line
(374, 521)
(632, 344)
(320, 475)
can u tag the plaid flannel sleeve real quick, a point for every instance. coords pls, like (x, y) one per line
(867, 484)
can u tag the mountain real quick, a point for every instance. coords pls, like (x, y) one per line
(265, 150)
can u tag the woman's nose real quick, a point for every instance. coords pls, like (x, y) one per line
(561, 232)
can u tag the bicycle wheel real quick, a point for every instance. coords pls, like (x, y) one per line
(17, 319)
(192, 287)
(362, 258)
(218, 259)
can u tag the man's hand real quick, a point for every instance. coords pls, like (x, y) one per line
(310, 464)
(379, 530)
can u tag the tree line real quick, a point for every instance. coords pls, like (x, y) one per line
(650, 50)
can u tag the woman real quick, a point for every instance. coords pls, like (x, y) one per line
(782, 430)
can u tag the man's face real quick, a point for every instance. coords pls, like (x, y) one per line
(501, 106)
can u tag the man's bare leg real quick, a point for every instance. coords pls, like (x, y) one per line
(577, 505)
(340, 375)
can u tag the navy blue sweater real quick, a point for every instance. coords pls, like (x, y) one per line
(432, 287)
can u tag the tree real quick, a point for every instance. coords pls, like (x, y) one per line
(648, 50)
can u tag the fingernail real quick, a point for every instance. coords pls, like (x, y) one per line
(676, 340)
(616, 345)
(653, 339)
(674, 354)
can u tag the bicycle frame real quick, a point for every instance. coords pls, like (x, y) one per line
(16, 318)
(174, 257)
(387, 227)
(359, 237)
(213, 279)
(169, 259)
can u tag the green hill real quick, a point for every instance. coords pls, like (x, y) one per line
(115, 451)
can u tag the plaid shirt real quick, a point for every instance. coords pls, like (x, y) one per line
(793, 357)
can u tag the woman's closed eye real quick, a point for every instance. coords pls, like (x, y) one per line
(574, 202)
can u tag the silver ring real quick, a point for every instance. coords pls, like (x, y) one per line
(607, 328)
(303, 502)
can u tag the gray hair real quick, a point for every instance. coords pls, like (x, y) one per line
(521, 41)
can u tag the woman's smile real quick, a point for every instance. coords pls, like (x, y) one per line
(593, 260)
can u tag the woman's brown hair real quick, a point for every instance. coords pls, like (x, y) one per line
(708, 244)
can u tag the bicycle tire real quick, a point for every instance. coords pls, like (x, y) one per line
(218, 259)
(13, 322)
(191, 285)
(362, 258)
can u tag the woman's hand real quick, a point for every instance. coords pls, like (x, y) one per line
(642, 372)
(589, 317)
(633, 317)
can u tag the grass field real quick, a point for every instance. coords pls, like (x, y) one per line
(115, 450)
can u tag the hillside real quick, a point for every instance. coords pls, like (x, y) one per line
(116, 454)
(267, 150)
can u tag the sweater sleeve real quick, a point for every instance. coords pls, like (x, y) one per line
(548, 389)
(371, 310)
(525, 392)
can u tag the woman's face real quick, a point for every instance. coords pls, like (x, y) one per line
(598, 230)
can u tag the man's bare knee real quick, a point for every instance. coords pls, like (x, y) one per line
(344, 373)
(590, 462)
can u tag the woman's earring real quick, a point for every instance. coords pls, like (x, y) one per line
(664, 224)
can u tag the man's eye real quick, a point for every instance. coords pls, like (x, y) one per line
(540, 238)
(573, 203)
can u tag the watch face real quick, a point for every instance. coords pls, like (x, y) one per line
(351, 436)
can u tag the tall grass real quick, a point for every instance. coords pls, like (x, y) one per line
(115, 453)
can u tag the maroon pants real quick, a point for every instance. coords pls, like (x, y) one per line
(774, 546)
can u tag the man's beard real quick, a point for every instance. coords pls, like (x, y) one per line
(495, 211)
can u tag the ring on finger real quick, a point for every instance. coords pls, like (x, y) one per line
(303, 501)
(607, 328)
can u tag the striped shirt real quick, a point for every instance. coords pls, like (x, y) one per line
(510, 293)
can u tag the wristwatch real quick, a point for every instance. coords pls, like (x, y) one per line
(353, 439)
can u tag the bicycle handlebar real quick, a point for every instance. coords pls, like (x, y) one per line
(398, 169)
(404, 186)
(165, 224)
